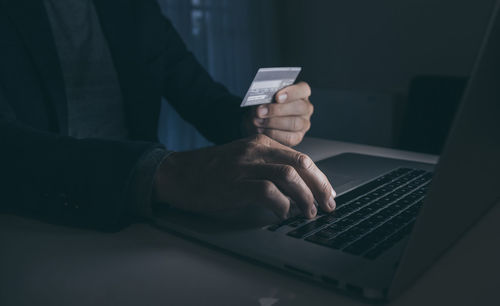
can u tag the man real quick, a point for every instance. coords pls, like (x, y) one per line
(80, 89)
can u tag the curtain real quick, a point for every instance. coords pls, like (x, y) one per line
(231, 39)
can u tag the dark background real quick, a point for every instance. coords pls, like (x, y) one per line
(358, 56)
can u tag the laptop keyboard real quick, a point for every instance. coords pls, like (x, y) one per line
(369, 219)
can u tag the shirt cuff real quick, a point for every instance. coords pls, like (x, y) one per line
(141, 184)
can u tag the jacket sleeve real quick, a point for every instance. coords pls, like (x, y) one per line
(65, 180)
(206, 104)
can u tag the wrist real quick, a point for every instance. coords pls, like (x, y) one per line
(165, 179)
(140, 186)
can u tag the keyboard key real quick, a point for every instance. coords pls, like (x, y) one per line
(358, 216)
(370, 240)
(343, 239)
(344, 210)
(360, 246)
(371, 218)
(306, 229)
(327, 233)
(288, 221)
(338, 227)
(366, 188)
(390, 241)
(296, 223)
(317, 239)
(326, 219)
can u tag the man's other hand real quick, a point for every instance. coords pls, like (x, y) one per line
(287, 120)
(252, 171)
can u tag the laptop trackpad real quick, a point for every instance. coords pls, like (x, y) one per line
(341, 181)
(348, 170)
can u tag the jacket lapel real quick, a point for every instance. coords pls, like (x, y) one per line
(132, 41)
(32, 23)
(120, 32)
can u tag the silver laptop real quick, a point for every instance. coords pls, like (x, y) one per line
(396, 219)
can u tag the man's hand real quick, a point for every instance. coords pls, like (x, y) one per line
(254, 171)
(287, 120)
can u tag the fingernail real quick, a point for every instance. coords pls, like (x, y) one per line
(282, 97)
(263, 110)
(313, 211)
(331, 202)
(259, 121)
(334, 193)
(286, 214)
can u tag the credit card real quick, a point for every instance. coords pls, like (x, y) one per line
(267, 82)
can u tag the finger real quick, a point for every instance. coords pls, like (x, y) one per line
(284, 137)
(294, 92)
(313, 177)
(290, 183)
(265, 193)
(290, 123)
(293, 108)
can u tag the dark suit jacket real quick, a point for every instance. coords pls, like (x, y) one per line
(45, 173)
